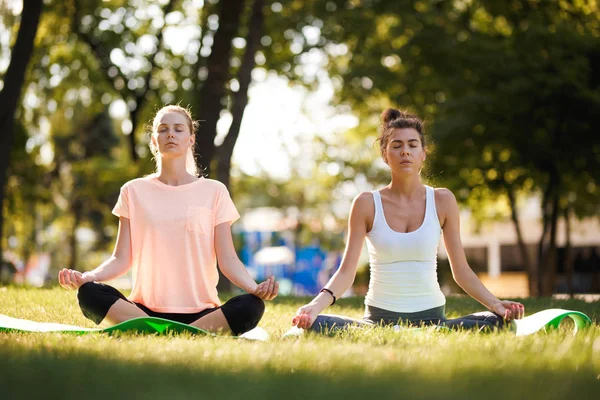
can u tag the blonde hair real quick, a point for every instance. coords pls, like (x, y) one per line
(190, 162)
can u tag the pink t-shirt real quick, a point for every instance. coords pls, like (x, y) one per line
(173, 259)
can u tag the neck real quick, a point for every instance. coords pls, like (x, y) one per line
(173, 172)
(407, 186)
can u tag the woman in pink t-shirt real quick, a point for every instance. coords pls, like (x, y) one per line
(173, 227)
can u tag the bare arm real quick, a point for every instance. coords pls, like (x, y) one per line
(233, 268)
(461, 271)
(117, 265)
(344, 276)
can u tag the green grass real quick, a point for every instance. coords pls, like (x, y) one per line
(376, 364)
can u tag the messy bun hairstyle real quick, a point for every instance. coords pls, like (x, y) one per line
(392, 119)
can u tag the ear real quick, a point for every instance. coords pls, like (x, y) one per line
(153, 140)
(192, 140)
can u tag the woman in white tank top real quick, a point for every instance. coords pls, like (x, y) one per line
(403, 223)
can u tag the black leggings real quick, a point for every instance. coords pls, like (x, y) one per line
(241, 312)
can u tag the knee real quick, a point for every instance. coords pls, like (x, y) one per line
(321, 323)
(330, 324)
(243, 313)
(87, 293)
(497, 321)
(491, 318)
(253, 306)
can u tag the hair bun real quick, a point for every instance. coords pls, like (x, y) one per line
(390, 114)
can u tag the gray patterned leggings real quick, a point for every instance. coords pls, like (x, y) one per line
(482, 321)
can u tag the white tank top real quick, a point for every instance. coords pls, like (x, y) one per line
(404, 265)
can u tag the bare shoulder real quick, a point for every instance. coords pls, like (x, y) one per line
(445, 203)
(363, 201)
(363, 204)
(363, 210)
(444, 197)
(364, 198)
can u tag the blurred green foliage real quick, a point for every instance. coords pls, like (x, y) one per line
(510, 92)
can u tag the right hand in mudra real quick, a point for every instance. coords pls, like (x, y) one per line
(305, 316)
(72, 280)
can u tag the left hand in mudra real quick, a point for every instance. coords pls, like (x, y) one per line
(508, 309)
(267, 290)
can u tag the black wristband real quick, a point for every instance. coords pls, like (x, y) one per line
(330, 292)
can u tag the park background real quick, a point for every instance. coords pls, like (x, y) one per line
(289, 94)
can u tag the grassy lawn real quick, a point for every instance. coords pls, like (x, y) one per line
(377, 364)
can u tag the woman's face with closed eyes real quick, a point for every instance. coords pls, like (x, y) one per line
(404, 151)
(172, 134)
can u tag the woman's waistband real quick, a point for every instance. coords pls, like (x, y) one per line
(379, 315)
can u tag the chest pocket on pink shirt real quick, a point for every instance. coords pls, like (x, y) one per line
(199, 220)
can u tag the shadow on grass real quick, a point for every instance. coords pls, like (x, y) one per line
(41, 373)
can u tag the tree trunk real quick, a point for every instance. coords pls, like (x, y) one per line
(77, 209)
(541, 256)
(208, 102)
(568, 250)
(530, 267)
(133, 117)
(240, 99)
(549, 271)
(11, 93)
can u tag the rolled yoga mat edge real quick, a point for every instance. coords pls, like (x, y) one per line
(549, 320)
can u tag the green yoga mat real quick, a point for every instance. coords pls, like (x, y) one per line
(548, 320)
(147, 325)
